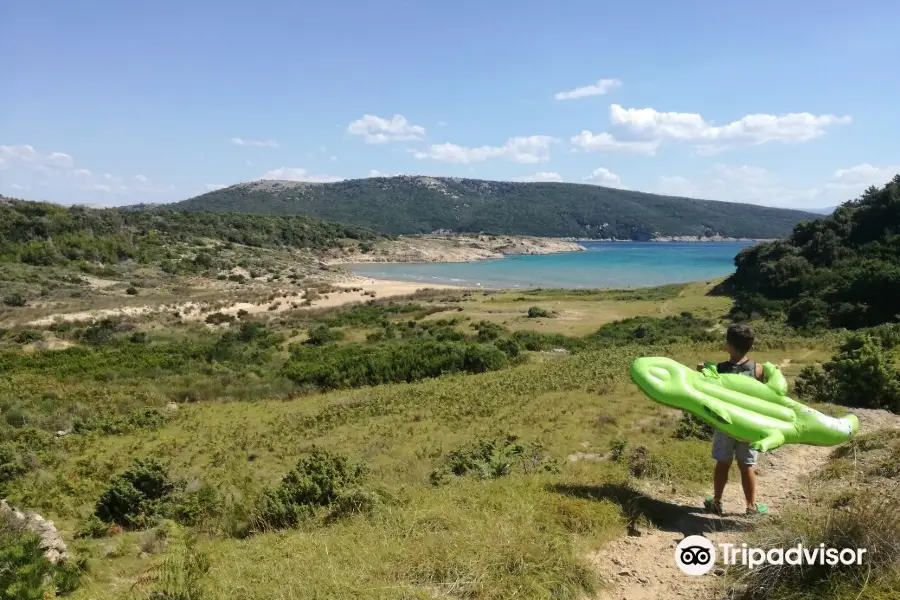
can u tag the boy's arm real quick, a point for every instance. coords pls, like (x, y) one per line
(760, 373)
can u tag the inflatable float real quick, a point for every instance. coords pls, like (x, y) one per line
(740, 406)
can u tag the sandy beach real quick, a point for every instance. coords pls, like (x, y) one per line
(349, 289)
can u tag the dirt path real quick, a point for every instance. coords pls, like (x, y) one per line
(641, 566)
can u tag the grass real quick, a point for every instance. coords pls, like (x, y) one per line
(239, 428)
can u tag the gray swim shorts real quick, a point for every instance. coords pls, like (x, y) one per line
(726, 449)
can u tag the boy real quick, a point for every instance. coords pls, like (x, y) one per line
(738, 342)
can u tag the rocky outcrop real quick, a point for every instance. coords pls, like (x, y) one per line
(55, 550)
(454, 248)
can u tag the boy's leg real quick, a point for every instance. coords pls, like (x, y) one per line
(746, 458)
(723, 453)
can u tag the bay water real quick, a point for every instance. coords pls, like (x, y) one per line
(601, 265)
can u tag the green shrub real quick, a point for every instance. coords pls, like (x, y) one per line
(690, 426)
(493, 458)
(12, 463)
(131, 291)
(322, 334)
(24, 572)
(99, 333)
(617, 449)
(355, 365)
(862, 373)
(180, 573)
(318, 480)
(488, 331)
(26, 336)
(537, 341)
(537, 312)
(217, 318)
(136, 496)
(652, 330)
(15, 300)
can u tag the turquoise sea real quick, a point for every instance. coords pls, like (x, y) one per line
(601, 265)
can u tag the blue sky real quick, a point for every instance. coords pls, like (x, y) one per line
(779, 103)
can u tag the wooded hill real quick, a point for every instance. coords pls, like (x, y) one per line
(412, 205)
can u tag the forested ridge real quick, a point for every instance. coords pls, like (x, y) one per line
(412, 205)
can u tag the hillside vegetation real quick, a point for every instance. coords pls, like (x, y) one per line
(839, 271)
(44, 234)
(412, 205)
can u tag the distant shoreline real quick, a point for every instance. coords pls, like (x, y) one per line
(668, 239)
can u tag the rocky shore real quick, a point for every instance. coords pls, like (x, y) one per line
(453, 248)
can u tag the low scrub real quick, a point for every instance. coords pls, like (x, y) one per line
(355, 365)
(321, 479)
(867, 522)
(491, 458)
(862, 373)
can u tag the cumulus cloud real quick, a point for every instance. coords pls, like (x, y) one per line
(211, 187)
(296, 174)
(604, 177)
(866, 174)
(543, 176)
(528, 149)
(754, 185)
(587, 141)
(141, 178)
(596, 89)
(19, 186)
(254, 143)
(81, 173)
(751, 130)
(378, 130)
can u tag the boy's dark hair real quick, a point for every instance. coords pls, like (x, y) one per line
(740, 337)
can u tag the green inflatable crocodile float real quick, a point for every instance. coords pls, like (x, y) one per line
(740, 406)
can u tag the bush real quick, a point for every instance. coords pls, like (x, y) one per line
(652, 331)
(24, 572)
(690, 426)
(536, 312)
(12, 463)
(494, 458)
(131, 291)
(136, 496)
(355, 365)
(217, 318)
(862, 373)
(26, 336)
(488, 331)
(181, 572)
(317, 481)
(15, 300)
(322, 334)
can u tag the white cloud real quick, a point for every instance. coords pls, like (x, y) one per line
(378, 130)
(596, 89)
(604, 177)
(676, 185)
(751, 130)
(211, 187)
(754, 185)
(24, 153)
(141, 178)
(530, 149)
(59, 160)
(295, 174)
(543, 176)
(605, 142)
(254, 143)
(81, 173)
(866, 174)
(18, 186)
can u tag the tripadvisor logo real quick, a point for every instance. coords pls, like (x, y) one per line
(696, 555)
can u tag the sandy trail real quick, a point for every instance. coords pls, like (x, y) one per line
(194, 311)
(642, 566)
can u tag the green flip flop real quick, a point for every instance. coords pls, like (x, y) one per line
(761, 509)
(712, 506)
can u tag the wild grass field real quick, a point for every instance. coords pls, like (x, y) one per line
(452, 444)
